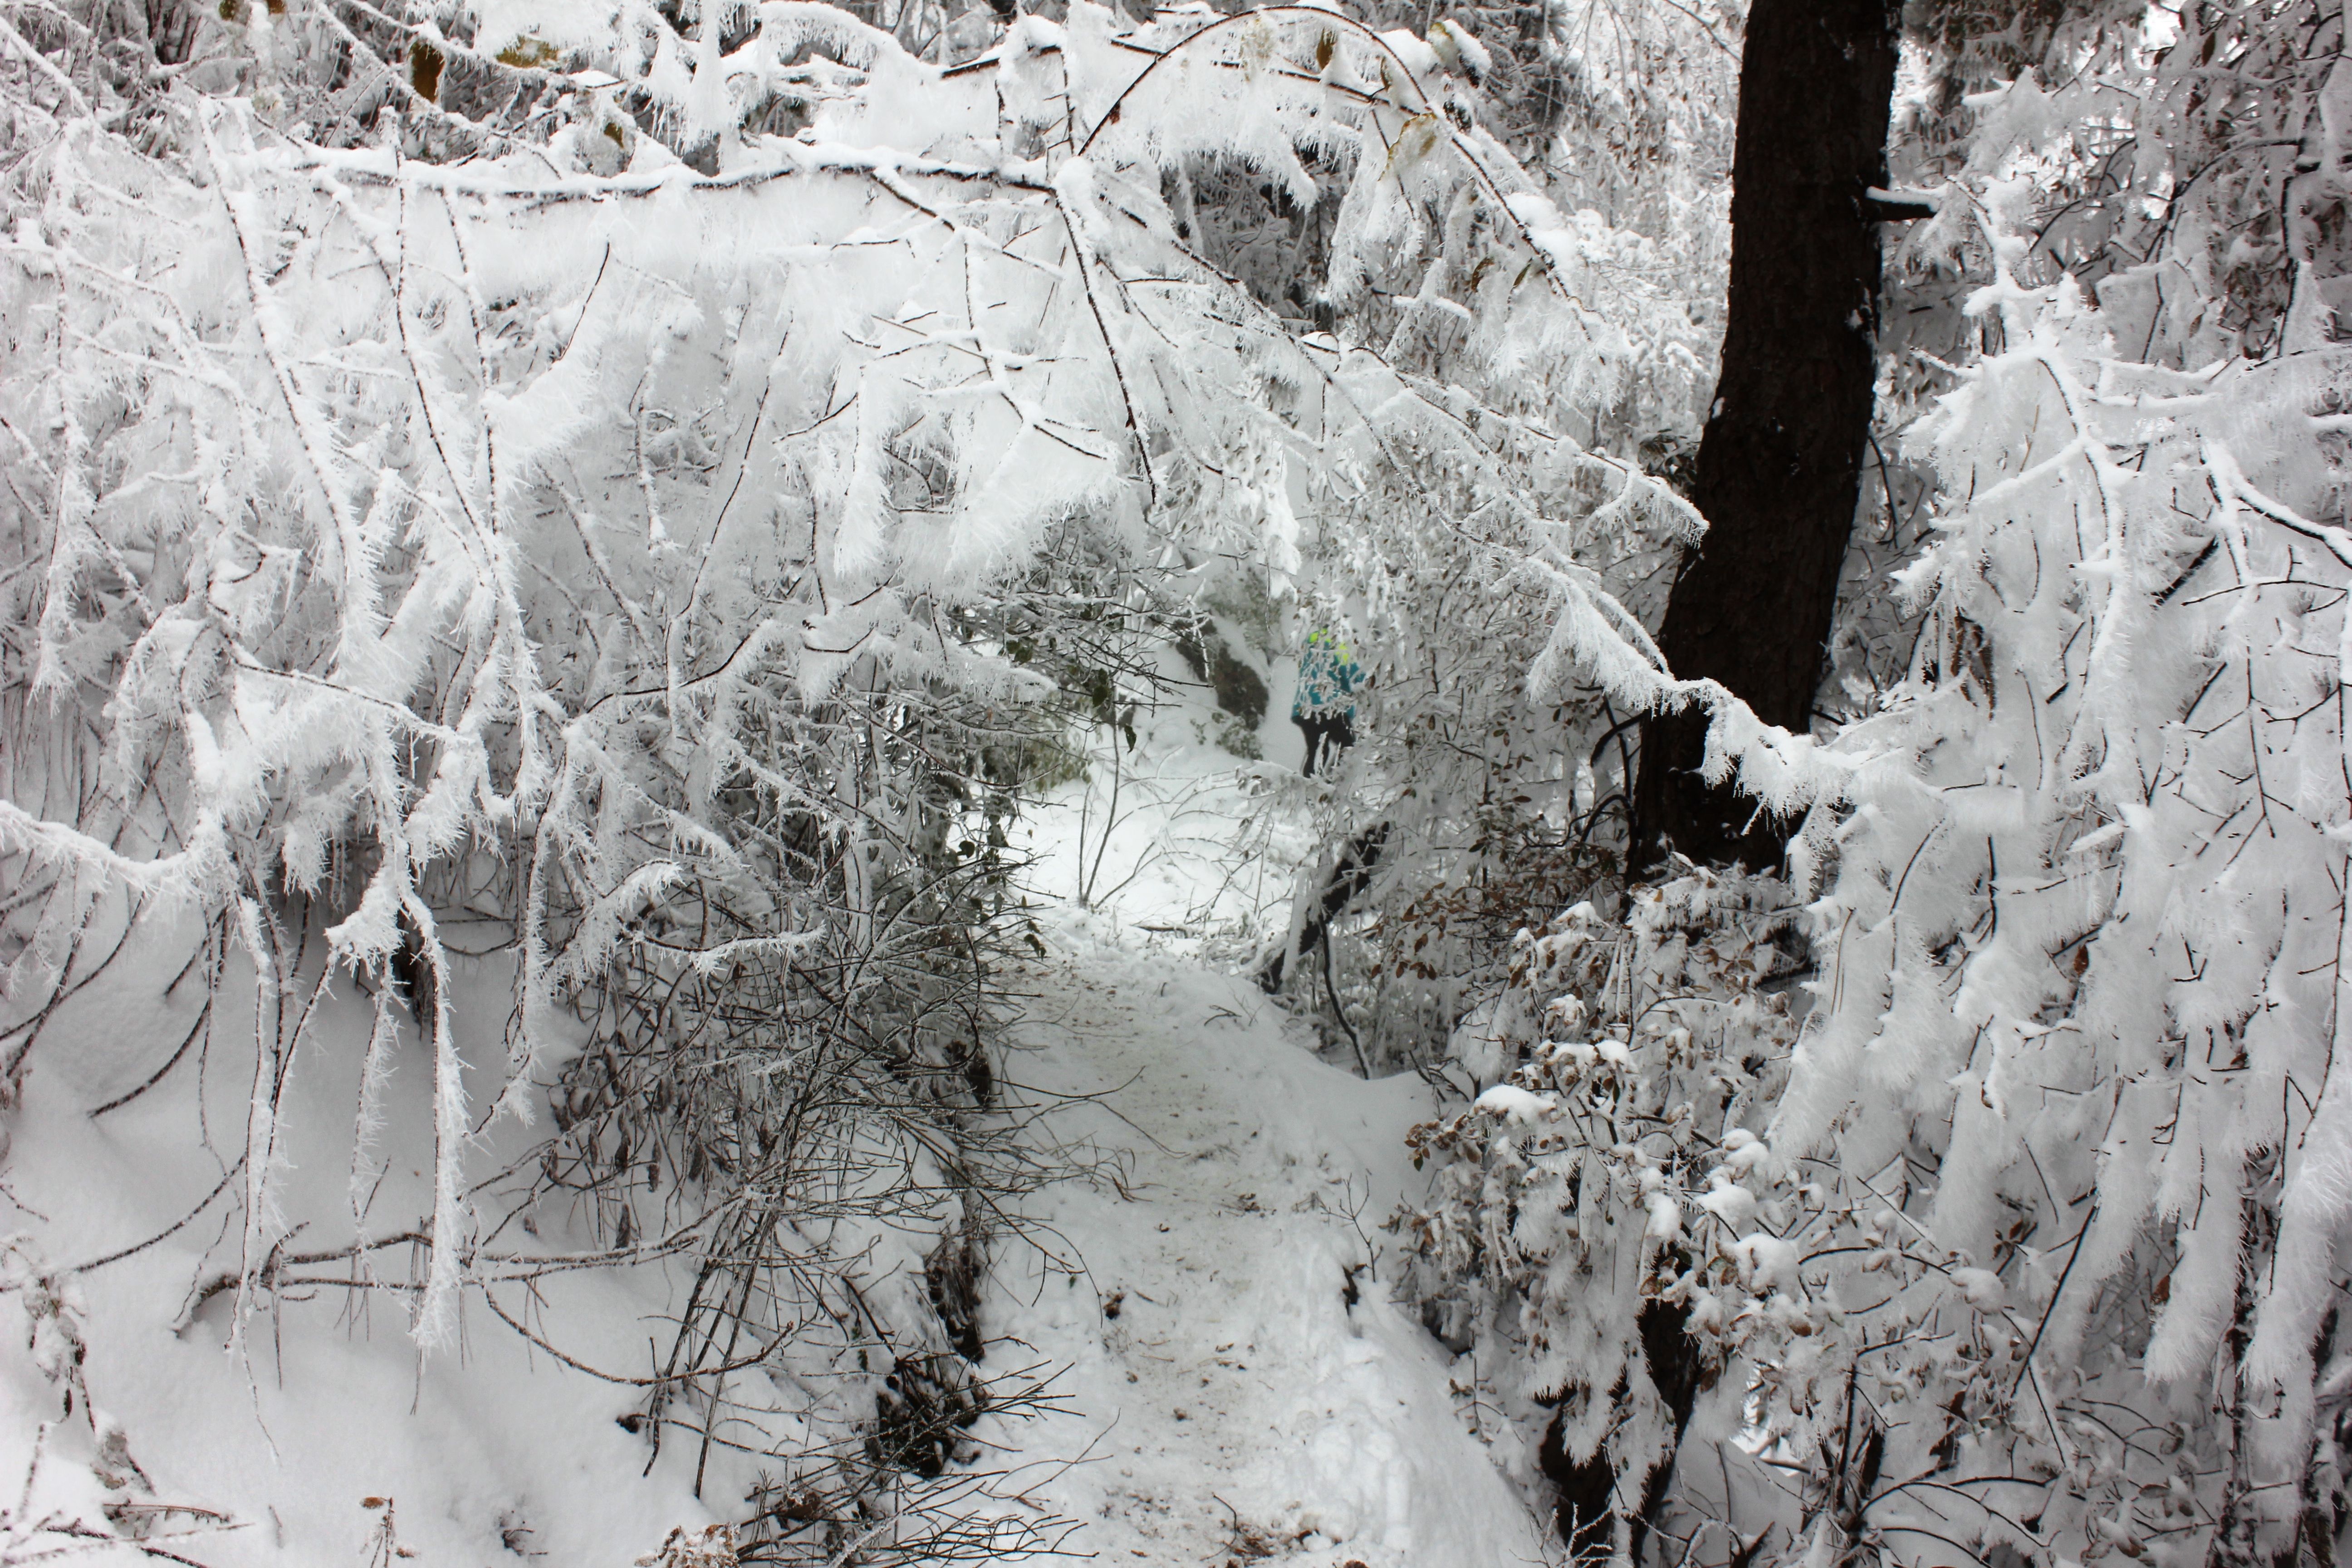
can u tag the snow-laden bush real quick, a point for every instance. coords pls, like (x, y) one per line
(2081, 944)
(2040, 1254)
(74, 1488)
(2040, 1249)
(1619, 1064)
(2194, 151)
(415, 579)
(1492, 795)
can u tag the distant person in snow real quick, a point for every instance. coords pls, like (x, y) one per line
(1325, 708)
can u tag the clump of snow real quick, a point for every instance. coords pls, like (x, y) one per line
(1509, 1102)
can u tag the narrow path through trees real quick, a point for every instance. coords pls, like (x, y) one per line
(1239, 1384)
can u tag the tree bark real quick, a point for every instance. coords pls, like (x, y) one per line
(1779, 466)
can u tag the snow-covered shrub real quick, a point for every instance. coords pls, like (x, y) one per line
(1642, 101)
(2191, 153)
(414, 566)
(2038, 1249)
(2081, 941)
(2039, 1254)
(1511, 476)
(1582, 1210)
(712, 1547)
(1496, 797)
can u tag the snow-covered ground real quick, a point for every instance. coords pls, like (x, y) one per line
(492, 1453)
(1174, 835)
(1239, 1384)
(1237, 1381)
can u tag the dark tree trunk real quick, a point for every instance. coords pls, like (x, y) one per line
(1779, 468)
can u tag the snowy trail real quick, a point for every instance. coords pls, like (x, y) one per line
(1221, 1398)
(1228, 1399)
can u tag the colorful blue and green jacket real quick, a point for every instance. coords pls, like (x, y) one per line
(1327, 677)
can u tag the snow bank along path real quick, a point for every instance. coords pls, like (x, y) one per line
(1239, 1385)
